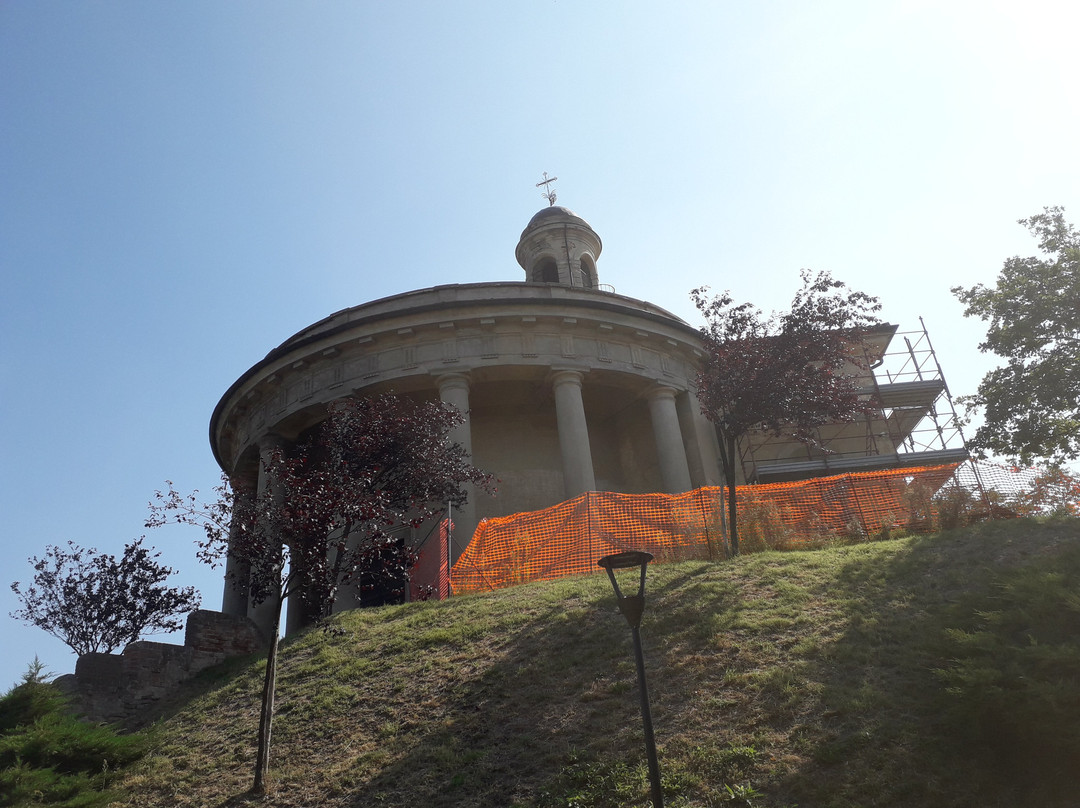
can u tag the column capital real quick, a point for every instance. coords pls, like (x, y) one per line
(661, 391)
(561, 376)
(448, 381)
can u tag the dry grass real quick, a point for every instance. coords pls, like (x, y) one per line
(805, 676)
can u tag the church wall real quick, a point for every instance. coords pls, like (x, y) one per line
(635, 449)
(515, 437)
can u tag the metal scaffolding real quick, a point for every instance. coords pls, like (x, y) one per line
(915, 425)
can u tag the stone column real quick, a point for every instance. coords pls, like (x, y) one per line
(669, 443)
(234, 599)
(454, 390)
(702, 452)
(578, 474)
(263, 613)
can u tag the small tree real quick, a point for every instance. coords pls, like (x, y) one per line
(787, 373)
(1052, 492)
(95, 602)
(1031, 406)
(327, 516)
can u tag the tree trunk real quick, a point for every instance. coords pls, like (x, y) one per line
(727, 445)
(729, 473)
(262, 759)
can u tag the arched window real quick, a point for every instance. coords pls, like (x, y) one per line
(588, 272)
(546, 271)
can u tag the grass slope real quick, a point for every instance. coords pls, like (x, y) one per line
(884, 674)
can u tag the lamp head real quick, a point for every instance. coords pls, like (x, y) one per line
(632, 606)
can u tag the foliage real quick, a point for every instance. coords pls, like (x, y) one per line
(951, 506)
(1031, 406)
(784, 374)
(47, 756)
(1053, 492)
(95, 602)
(374, 465)
(956, 506)
(327, 516)
(763, 527)
(31, 699)
(212, 517)
(330, 513)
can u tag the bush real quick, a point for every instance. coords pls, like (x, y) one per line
(95, 602)
(761, 527)
(48, 756)
(30, 700)
(957, 507)
(1052, 492)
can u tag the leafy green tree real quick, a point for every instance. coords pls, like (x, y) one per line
(1031, 406)
(96, 602)
(787, 373)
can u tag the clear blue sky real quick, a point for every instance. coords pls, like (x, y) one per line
(185, 185)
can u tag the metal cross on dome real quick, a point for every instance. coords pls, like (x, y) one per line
(548, 193)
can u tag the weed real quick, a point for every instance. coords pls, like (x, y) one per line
(762, 527)
(595, 785)
(740, 795)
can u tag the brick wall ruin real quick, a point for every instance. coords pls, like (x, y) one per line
(129, 687)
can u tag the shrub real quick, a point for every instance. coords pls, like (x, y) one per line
(956, 506)
(918, 498)
(1052, 493)
(32, 699)
(762, 527)
(48, 756)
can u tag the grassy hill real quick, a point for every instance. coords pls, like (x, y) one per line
(940, 670)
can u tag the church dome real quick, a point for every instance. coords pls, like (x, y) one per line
(558, 246)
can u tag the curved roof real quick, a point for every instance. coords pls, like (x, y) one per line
(429, 307)
(486, 294)
(554, 213)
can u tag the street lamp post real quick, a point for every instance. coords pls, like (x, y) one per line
(632, 607)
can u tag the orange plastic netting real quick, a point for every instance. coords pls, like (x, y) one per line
(568, 538)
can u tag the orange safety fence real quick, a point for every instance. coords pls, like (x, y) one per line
(568, 538)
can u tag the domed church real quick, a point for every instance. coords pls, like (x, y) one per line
(566, 386)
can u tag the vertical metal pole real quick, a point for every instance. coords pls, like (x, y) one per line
(646, 715)
(632, 607)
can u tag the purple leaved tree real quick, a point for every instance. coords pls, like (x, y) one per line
(96, 602)
(327, 517)
(787, 373)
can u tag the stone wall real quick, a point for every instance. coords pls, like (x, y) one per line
(129, 688)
